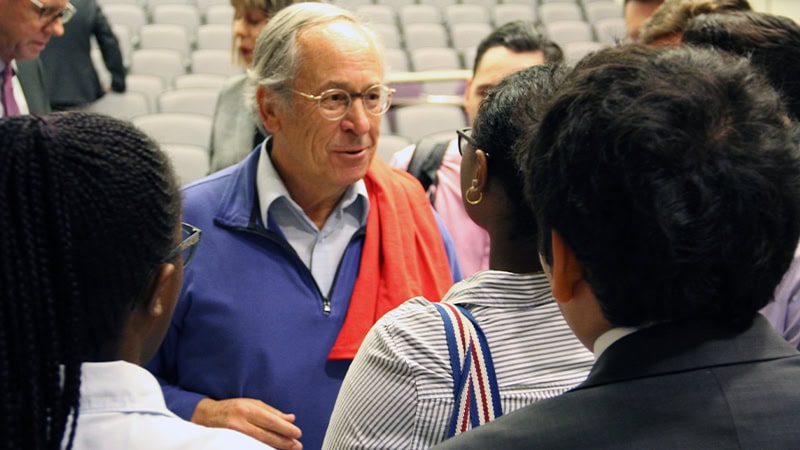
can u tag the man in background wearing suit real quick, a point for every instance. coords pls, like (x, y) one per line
(69, 73)
(25, 28)
(665, 183)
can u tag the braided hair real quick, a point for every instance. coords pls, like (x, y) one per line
(90, 208)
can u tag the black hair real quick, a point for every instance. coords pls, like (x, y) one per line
(771, 42)
(519, 36)
(674, 177)
(90, 207)
(510, 111)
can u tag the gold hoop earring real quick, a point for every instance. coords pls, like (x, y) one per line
(472, 189)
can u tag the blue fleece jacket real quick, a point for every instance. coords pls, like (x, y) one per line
(250, 319)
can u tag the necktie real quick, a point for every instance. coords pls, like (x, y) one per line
(9, 104)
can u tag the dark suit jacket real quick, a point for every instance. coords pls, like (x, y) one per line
(69, 72)
(31, 78)
(669, 386)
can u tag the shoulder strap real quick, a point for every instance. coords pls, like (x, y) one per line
(477, 396)
(426, 160)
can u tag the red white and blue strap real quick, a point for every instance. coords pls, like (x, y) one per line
(475, 383)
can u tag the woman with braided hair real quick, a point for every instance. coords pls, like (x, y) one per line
(91, 263)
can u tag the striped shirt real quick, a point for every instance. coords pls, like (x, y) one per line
(398, 392)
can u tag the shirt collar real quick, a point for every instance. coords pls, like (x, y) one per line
(609, 337)
(270, 188)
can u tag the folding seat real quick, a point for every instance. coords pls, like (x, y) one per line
(122, 105)
(221, 14)
(466, 35)
(189, 161)
(186, 16)
(396, 60)
(610, 30)
(202, 5)
(569, 31)
(557, 12)
(189, 100)
(510, 12)
(214, 36)
(441, 4)
(372, 14)
(602, 10)
(396, 4)
(414, 14)
(574, 51)
(488, 4)
(389, 144)
(125, 41)
(421, 35)
(166, 64)
(132, 16)
(176, 128)
(416, 121)
(468, 57)
(437, 58)
(455, 14)
(389, 35)
(165, 37)
(351, 4)
(199, 80)
(215, 62)
(150, 5)
(148, 85)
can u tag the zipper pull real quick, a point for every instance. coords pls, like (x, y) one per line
(326, 306)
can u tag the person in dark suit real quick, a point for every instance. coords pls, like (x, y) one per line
(665, 185)
(25, 28)
(69, 73)
(31, 79)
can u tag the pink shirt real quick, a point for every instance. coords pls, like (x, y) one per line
(471, 241)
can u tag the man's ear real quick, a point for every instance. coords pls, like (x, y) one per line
(268, 109)
(566, 270)
(467, 94)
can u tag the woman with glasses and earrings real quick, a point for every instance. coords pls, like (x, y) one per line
(92, 253)
(235, 131)
(414, 381)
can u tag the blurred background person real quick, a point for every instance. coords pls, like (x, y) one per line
(69, 74)
(635, 13)
(25, 29)
(667, 23)
(509, 48)
(234, 131)
(399, 391)
(91, 265)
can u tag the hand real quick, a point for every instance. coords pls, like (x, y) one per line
(251, 417)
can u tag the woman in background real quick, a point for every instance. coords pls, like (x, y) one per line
(234, 131)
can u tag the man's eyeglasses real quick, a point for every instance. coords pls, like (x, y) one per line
(335, 103)
(191, 236)
(49, 15)
(464, 139)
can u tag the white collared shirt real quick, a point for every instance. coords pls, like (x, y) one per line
(19, 96)
(319, 249)
(122, 407)
(609, 337)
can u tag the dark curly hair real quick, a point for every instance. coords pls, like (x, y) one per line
(675, 178)
(90, 208)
